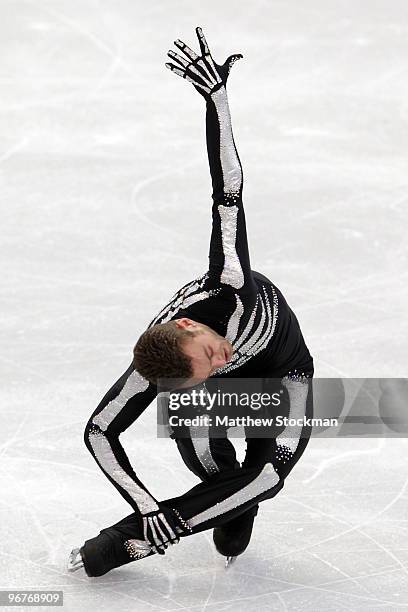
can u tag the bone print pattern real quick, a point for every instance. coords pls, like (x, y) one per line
(202, 71)
(227, 297)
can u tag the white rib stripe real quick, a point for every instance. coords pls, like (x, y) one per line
(233, 323)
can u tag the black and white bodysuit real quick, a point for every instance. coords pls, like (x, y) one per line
(251, 312)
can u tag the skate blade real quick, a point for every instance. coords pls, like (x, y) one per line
(75, 561)
(229, 561)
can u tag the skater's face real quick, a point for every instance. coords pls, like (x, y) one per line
(206, 349)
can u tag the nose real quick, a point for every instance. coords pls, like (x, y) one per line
(218, 361)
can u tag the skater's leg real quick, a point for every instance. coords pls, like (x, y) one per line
(291, 441)
(107, 551)
(232, 538)
(234, 491)
(207, 505)
(205, 456)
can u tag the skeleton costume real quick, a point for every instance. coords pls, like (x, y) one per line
(251, 312)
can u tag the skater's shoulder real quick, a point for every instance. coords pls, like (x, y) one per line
(261, 278)
(263, 281)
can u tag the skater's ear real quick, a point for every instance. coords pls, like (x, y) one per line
(185, 323)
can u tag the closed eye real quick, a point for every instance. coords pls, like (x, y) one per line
(209, 352)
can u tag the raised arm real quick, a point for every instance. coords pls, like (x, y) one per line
(120, 407)
(229, 255)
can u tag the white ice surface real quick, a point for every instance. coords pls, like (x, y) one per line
(105, 200)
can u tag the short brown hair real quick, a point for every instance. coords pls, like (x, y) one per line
(158, 353)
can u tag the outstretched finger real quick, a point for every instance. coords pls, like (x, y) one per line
(183, 74)
(177, 58)
(186, 49)
(202, 73)
(176, 69)
(202, 42)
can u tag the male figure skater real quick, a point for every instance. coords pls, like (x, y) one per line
(230, 322)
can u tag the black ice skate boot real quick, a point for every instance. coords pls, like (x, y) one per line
(233, 537)
(108, 551)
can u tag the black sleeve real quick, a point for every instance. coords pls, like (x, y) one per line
(120, 407)
(229, 262)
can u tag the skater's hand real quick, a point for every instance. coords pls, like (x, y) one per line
(201, 70)
(163, 527)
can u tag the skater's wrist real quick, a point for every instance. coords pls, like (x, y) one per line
(148, 505)
(219, 93)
